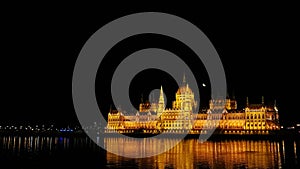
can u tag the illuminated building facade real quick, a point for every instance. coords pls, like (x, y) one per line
(222, 115)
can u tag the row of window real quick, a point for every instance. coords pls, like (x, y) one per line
(175, 125)
(114, 119)
(256, 120)
(255, 116)
(255, 125)
(219, 118)
(174, 117)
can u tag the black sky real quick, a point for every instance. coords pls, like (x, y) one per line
(258, 45)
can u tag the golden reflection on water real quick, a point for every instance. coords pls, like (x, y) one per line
(192, 154)
(188, 153)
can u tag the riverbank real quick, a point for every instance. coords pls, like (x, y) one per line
(274, 135)
(217, 135)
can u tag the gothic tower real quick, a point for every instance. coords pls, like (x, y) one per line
(161, 102)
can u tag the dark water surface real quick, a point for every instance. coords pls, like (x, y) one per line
(74, 152)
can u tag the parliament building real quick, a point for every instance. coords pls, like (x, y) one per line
(221, 115)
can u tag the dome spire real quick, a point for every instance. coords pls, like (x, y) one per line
(183, 79)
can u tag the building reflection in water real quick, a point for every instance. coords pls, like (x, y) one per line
(188, 153)
(211, 154)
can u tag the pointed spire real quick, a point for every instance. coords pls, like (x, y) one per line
(275, 105)
(262, 100)
(161, 102)
(183, 79)
(161, 95)
(247, 101)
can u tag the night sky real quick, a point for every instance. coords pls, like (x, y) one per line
(259, 48)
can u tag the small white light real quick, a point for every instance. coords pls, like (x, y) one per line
(203, 85)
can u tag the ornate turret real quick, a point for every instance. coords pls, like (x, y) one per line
(161, 102)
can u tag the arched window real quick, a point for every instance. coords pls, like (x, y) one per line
(258, 116)
(263, 116)
(251, 116)
(255, 116)
(247, 116)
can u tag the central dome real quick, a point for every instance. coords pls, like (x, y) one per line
(184, 89)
